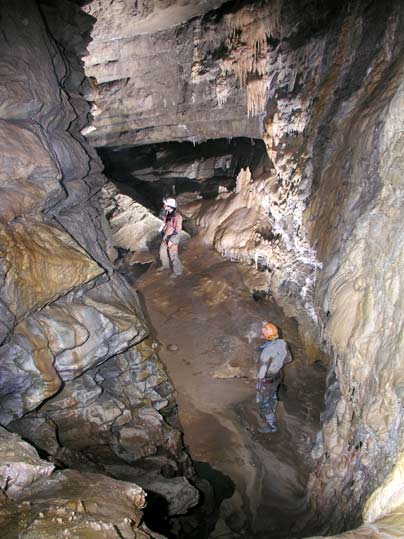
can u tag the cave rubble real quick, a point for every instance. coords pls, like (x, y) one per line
(38, 501)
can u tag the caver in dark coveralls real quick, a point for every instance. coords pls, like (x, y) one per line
(274, 355)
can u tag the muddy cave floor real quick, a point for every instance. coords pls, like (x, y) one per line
(207, 324)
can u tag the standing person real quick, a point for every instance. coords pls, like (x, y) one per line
(171, 237)
(274, 355)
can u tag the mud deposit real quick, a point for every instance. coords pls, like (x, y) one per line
(207, 324)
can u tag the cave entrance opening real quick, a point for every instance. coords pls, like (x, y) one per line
(207, 326)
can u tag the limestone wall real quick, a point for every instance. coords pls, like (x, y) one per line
(360, 296)
(334, 137)
(334, 203)
(384, 511)
(78, 376)
(172, 83)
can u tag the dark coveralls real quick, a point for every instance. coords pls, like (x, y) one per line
(274, 355)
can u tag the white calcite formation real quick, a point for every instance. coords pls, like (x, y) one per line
(235, 221)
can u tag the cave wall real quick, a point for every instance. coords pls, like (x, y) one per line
(334, 137)
(335, 142)
(179, 82)
(383, 514)
(324, 219)
(359, 294)
(36, 500)
(78, 376)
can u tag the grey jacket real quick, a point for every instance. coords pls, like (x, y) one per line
(274, 355)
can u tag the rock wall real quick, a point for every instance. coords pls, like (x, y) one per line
(334, 139)
(324, 220)
(383, 513)
(38, 501)
(333, 242)
(78, 376)
(173, 83)
(359, 295)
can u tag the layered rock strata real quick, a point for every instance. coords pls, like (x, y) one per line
(38, 501)
(175, 83)
(78, 378)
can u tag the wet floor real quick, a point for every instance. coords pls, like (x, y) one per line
(208, 326)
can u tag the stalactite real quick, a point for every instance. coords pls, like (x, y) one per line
(248, 55)
(196, 64)
(256, 96)
(222, 92)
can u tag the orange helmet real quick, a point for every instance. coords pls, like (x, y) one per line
(270, 331)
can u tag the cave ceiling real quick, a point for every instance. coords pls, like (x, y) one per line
(188, 79)
(145, 16)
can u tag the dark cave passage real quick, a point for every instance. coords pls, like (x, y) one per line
(149, 173)
(211, 298)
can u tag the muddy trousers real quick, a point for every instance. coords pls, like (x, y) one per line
(267, 400)
(170, 254)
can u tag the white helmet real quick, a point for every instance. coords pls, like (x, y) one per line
(170, 202)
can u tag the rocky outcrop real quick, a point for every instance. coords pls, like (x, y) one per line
(78, 378)
(234, 222)
(38, 501)
(383, 514)
(134, 227)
